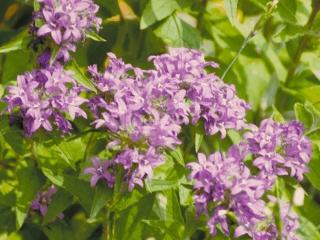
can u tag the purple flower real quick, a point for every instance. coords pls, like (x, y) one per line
(45, 97)
(226, 182)
(101, 170)
(43, 199)
(290, 221)
(67, 21)
(279, 149)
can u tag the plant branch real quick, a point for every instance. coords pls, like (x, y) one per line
(263, 18)
(302, 42)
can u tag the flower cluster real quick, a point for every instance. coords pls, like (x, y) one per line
(225, 181)
(224, 185)
(279, 149)
(67, 21)
(145, 109)
(45, 97)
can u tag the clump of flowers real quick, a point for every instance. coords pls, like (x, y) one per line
(67, 22)
(145, 109)
(279, 149)
(44, 98)
(224, 185)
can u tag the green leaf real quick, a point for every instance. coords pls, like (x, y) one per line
(57, 231)
(80, 76)
(128, 199)
(54, 54)
(30, 180)
(314, 172)
(79, 188)
(199, 133)
(177, 155)
(94, 36)
(15, 138)
(102, 196)
(19, 42)
(129, 225)
(303, 115)
(307, 231)
(70, 151)
(276, 115)
(157, 10)
(155, 185)
(60, 201)
(166, 206)
(171, 228)
(177, 33)
(288, 33)
(231, 9)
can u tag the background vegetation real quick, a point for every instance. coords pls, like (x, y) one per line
(270, 50)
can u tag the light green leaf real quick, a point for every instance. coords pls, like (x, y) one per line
(155, 185)
(94, 36)
(166, 206)
(177, 33)
(276, 115)
(303, 115)
(288, 32)
(231, 9)
(80, 76)
(18, 43)
(199, 133)
(177, 155)
(308, 231)
(157, 10)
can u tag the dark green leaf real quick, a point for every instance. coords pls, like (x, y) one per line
(60, 201)
(102, 196)
(30, 181)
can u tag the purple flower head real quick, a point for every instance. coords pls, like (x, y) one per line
(290, 221)
(67, 21)
(101, 170)
(225, 181)
(43, 199)
(45, 97)
(279, 148)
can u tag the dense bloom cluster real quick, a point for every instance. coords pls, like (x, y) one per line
(226, 182)
(67, 21)
(45, 97)
(279, 149)
(146, 108)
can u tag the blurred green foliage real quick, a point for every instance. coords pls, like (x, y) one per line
(270, 50)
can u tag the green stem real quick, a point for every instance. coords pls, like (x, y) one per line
(87, 147)
(244, 44)
(263, 18)
(302, 43)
